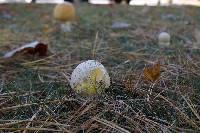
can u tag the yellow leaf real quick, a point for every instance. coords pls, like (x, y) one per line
(152, 73)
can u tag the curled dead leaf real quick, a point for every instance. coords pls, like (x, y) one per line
(31, 48)
(152, 73)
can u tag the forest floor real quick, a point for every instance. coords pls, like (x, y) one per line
(35, 95)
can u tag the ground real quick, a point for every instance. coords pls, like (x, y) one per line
(35, 95)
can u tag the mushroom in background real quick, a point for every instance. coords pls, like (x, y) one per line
(65, 13)
(164, 39)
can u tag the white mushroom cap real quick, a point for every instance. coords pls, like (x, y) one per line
(164, 39)
(83, 82)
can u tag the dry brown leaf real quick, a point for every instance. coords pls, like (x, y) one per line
(31, 48)
(152, 73)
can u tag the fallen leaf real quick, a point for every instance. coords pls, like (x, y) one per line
(152, 73)
(30, 48)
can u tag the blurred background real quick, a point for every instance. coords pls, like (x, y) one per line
(130, 2)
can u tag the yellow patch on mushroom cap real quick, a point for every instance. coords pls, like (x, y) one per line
(96, 75)
(91, 86)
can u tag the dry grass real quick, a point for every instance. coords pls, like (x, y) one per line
(34, 92)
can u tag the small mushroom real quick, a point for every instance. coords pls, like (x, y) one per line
(89, 78)
(164, 39)
(65, 13)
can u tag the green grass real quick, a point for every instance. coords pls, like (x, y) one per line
(36, 96)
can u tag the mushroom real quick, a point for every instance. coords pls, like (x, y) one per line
(89, 78)
(65, 12)
(164, 39)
